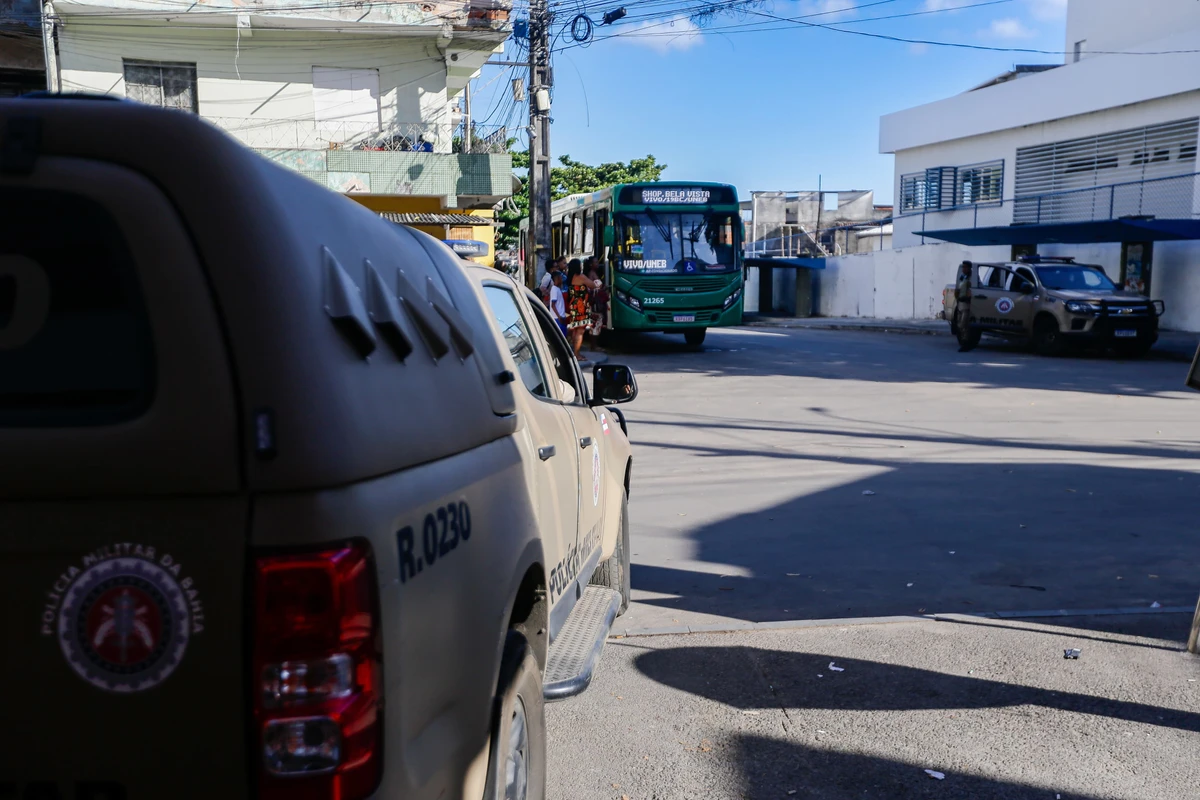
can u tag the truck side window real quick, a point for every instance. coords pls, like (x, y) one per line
(560, 353)
(999, 278)
(1027, 274)
(515, 330)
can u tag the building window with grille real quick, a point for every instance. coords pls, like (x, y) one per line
(161, 83)
(980, 183)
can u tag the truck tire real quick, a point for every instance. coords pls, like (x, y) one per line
(1047, 338)
(614, 573)
(517, 762)
(695, 337)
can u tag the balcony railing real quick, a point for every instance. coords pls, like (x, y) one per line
(1164, 198)
(399, 137)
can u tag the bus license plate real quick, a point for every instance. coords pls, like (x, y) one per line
(685, 317)
(1125, 334)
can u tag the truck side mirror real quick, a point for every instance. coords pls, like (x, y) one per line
(609, 236)
(613, 383)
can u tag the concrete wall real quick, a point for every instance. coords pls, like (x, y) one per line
(260, 86)
(893, 284)
(907, 283)
(1114, 25)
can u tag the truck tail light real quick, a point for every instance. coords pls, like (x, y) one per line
(317, 674)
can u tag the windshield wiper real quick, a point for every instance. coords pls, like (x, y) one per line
(664, 230)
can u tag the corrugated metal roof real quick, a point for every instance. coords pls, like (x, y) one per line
(435, 219)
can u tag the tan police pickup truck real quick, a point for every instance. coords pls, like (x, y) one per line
(292, 504)
(1052, 303)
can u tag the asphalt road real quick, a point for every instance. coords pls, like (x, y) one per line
(785, 475)
(1001, 480)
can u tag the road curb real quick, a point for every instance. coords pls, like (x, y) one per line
(850, 326)
(796, 624)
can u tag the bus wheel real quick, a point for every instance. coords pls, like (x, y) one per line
(695, 337)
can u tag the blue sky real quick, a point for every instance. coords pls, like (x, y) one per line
(775, 109)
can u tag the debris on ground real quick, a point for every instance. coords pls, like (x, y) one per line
(833, 668)
(933, 773)
(1072, 653)
(752, 713)
(1156, 604)
(868, 492)
(910, 584)
(952, 552)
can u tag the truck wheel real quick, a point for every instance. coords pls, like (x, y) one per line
(517, 764)
(695, 337)
(1047, 339)
(614, 573)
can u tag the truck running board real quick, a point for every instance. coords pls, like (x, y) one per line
(575, 652)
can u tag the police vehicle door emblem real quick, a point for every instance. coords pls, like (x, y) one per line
(1004, 305)
(124, 621)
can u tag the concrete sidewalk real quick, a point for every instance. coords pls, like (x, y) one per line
(864, 710)
(1174, 345)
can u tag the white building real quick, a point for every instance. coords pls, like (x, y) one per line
(1094, 158)
(365, 98)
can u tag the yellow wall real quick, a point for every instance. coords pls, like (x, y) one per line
(399, 204)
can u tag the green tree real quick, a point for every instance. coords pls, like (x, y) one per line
(573, 177)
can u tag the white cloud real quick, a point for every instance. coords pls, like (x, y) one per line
(825, 12)
(1007, 28)
(941, 5)
(1048, 10)
(918, 48)
(677, 33)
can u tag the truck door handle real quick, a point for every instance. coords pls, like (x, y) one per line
(585, 442)
(546, 452)
(981, 297)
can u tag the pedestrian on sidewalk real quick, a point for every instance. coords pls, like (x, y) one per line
(579, 309)
(556, 265)
(598, 303)
(558, 306)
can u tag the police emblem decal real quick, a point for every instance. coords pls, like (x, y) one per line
(1004, 305)
(123, 622)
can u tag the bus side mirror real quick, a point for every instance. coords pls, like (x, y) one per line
(609, 236)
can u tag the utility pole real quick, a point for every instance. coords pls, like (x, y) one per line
(539, 142)
(467, 135)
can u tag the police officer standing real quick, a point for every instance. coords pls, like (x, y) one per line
(967, 339)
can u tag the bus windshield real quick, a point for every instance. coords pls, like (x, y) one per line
(675, 244)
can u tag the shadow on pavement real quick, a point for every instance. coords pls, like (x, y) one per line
(718, 673)
(774, 768)
(977, 538)
(870, 356)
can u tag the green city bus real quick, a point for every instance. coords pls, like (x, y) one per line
(672, 253)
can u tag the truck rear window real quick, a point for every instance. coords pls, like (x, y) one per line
(75, 345)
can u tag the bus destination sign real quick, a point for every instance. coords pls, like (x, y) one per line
(675, 195)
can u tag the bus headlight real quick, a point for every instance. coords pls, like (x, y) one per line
(629, 300)
(733, 298)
